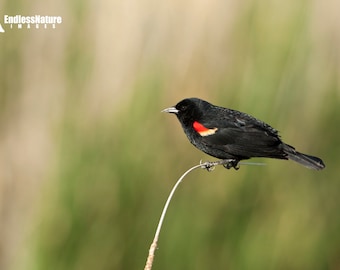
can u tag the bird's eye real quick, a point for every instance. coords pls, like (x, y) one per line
(183, 107)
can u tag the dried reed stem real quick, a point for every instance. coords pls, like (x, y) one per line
(206, 165)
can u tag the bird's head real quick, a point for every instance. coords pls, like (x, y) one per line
(188, 110)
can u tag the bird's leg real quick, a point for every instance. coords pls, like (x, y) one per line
(227, 163)
(230, 163)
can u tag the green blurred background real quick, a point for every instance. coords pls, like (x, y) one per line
(87, 160)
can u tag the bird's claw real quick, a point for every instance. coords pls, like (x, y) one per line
(227, 163)
(231, 163)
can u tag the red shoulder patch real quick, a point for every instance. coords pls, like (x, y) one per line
(202, 130)
(199, 127)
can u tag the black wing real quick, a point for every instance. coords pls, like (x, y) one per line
(245, 136)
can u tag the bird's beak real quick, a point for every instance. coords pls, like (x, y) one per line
(171, 110)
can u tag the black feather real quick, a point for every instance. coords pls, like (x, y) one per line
(236, 135)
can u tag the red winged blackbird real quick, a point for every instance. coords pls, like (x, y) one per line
(232, 135)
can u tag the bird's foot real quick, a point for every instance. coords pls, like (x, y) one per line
(227, 163)
(230, 163)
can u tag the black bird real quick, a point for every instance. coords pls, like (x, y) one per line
(232, 135)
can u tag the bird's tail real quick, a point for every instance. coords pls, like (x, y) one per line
(308, 161)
